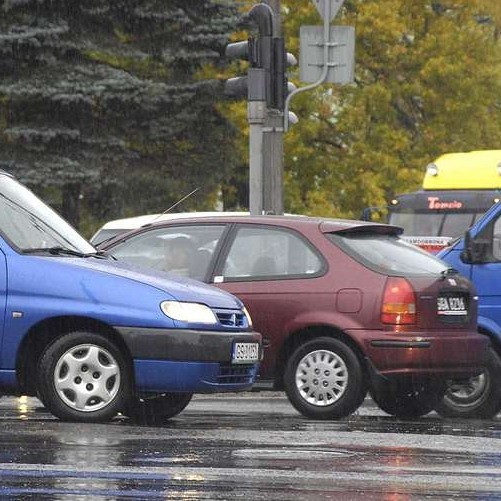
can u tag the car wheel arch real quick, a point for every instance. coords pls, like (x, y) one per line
(494, 338)
(47, 331)
(492, 330)
(301, 336)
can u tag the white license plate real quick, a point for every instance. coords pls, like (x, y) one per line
(245, 353)
(451, 306)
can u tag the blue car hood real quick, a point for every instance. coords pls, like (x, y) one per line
(183, 289)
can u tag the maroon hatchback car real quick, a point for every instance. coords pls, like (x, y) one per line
(344, 307)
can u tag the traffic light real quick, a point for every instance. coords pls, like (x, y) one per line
(256, 86)
(266, 78)
(279, 77)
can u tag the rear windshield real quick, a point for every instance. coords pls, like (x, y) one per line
(388, 254)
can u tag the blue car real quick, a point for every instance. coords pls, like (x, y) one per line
(92, 337)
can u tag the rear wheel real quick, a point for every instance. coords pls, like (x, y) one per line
(83, 376)
(324, 379)
(409, 398)
(476, 397)
(157, 409)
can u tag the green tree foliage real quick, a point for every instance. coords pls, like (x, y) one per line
(100, 105)
(428, 81)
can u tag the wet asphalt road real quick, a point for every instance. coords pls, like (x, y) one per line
(247, 446)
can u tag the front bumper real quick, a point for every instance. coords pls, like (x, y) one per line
(447, 353)
(154, 376)
(181, 360)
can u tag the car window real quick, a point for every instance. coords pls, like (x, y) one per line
(183, 250)
(262, 253)
(388, 254)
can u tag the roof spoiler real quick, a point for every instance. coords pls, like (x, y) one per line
(380, 229)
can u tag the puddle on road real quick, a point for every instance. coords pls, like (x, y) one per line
(45, 458)
(292, 454)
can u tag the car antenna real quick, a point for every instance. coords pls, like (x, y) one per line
(177, 203)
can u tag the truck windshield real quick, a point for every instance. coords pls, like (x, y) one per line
(432, 224)
(442, 213)
(27, 223)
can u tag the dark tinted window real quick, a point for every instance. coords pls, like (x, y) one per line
(388, 254)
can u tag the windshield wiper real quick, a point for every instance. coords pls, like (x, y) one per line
(56, 251)
(59, 251)
(102, 254)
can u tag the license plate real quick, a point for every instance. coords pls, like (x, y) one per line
(451, 306)
(245, 353)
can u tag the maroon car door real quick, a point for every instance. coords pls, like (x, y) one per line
(269, 268)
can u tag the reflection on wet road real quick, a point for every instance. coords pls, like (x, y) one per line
(253, 446)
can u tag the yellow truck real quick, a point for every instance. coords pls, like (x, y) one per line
(457, 190)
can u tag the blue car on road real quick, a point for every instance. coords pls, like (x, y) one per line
(92, 337)
(477, 255)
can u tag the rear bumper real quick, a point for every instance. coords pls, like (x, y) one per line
(447, 353)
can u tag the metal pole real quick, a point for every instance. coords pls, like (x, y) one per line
(325, 72)
(273, 145)
(256, 111)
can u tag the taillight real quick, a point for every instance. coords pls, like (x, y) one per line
(399, 302)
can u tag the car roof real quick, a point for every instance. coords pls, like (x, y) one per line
(325, 225)
(130, 223)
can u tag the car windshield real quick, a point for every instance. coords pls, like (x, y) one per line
(388, 254)
(104, 235)
(27, 223)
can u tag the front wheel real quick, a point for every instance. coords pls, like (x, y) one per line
(409, 398)
(156, 409)
(476, 397)
(324, 379)
(83, 376)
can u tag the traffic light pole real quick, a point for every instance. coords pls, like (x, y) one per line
(256, 112)
(272, 147)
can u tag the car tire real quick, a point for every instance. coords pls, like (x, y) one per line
(324, 379)
(478, 397)
(409, 398)
(84, 377)
(157, 409)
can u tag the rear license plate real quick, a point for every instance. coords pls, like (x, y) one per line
(452, 307)
(245, 353)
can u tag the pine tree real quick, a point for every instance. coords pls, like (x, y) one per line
(100, 103)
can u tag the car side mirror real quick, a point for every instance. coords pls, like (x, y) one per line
(475, 249)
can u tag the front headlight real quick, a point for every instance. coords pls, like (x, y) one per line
(247, 314)
(195, 313)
